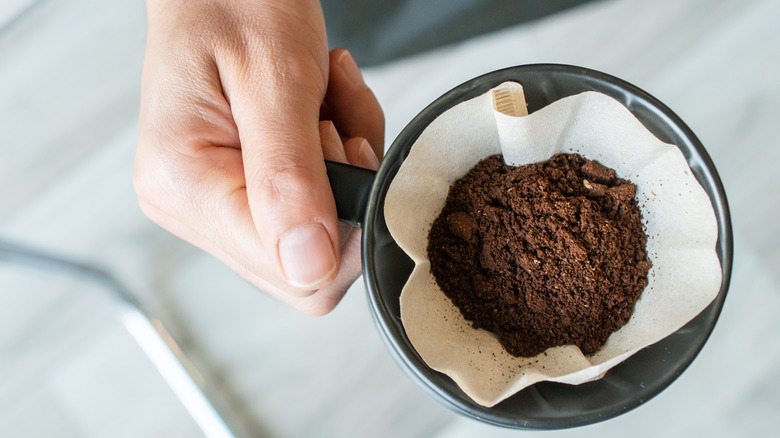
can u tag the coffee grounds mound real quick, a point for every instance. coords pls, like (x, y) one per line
(542, 255)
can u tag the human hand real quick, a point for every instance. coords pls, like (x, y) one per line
(231, 147)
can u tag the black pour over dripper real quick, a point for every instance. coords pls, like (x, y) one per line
(360, 196)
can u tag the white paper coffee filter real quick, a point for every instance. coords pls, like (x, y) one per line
(680, 223)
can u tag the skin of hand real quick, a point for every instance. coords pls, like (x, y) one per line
(241, 103)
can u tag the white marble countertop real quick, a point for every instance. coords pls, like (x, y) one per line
(69, 85)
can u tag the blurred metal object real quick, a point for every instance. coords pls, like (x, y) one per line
(204, 403)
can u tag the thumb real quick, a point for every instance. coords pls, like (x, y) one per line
(286, 183)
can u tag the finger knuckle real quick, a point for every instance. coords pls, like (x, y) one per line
(281, 176)
(159, 173)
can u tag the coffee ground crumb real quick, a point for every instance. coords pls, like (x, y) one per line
(542, 255)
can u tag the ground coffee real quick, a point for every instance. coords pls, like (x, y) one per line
(542, 255)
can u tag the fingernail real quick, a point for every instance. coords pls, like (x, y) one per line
(350, 68)
(331, 142)
(332, 148)
(307, 255)
(367, 156)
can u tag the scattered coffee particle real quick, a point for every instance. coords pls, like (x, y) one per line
(542, 255)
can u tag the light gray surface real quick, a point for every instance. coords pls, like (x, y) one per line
(69, 82)
(10, 9)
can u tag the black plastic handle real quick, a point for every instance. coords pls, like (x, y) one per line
(351, 186)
